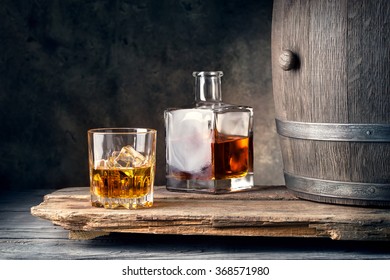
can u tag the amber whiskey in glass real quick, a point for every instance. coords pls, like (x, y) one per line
(209, 145)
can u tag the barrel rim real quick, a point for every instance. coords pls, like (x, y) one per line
(354, 132)
(338, 189)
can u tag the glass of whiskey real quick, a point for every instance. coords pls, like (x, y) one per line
(122, 165)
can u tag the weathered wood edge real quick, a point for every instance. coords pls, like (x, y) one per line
(85, 222)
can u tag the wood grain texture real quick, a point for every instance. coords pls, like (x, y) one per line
(368, 71)
(343, 77)
(23, 236)
(271, 211)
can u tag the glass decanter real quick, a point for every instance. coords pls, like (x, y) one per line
(209, 145)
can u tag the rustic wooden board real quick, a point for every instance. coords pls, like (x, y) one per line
(267, 211)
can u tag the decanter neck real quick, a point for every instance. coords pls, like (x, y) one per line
(208, 86)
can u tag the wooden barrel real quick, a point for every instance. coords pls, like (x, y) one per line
(331, 68)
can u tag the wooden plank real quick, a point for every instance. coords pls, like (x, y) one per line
(269, 211)
(173, 247)
(23, 236)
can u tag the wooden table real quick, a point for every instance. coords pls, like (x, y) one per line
(267, 211)
(269, 223)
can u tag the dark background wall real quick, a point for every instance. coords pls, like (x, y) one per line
(69, 65)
